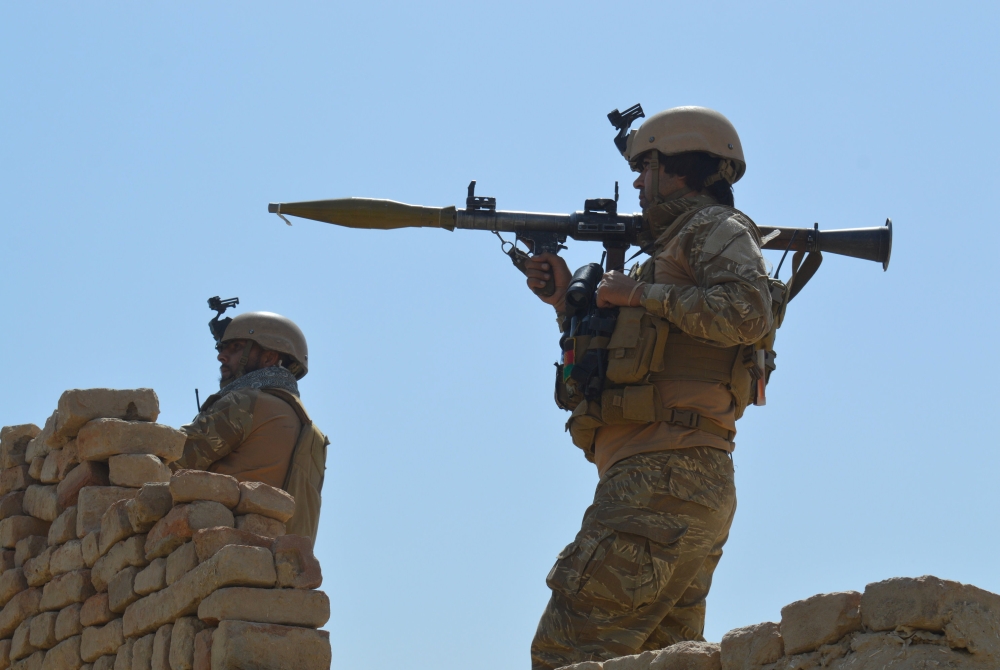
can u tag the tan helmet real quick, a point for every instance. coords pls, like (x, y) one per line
(275, 332)
(682, 129)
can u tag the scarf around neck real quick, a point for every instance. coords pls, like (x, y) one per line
(273, 377)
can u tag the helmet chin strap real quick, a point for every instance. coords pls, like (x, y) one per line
(241, 368)
(652, 185)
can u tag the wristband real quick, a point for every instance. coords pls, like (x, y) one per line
(634, 289)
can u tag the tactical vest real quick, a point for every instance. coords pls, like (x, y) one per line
(643, 349)
(306, 470)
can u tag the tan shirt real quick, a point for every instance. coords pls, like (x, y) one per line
(688, 282)
(247, 434)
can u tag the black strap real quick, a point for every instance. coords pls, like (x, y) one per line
(803, 271)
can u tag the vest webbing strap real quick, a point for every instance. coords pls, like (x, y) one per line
(691, 419)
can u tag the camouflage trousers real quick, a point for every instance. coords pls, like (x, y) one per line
(637, 575)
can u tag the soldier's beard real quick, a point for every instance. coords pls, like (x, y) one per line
(225, 375)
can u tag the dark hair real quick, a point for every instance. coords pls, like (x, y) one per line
(696, 167)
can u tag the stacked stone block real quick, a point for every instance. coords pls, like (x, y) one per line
(110, 560)
(900, 623)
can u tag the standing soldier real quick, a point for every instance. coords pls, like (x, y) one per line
(681, 370)
(255, 428)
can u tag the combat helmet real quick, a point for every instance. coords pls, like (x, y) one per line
(272, 331)
(683, 129)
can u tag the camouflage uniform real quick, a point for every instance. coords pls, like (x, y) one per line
(640, 569)
(247, 433)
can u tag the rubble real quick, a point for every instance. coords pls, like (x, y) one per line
(109, 561)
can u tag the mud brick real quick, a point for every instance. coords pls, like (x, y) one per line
(925, 603)
(67, 558)
(45, 441)
(20, 645)
(40, 502)
(22, 606)
(261, 525)
(38, 570)
(94, 501)
(121, 590)
(182, 642)
(95, 611)
(103, 663)
(142, 653)
(137, 469)
(295, 563)
(289, 607)
(808, 624)
(180, 524)
(203, 649)
(64, 656)
(48, 473)
(260, 498)
(35, 468)
(125, 553)
(150, 505)
(101, 439)
(90, 545)
(207, 541)
(123, 659)
(16, 479)
(7, 560)
(181, 560)
(42, 632)
(82, 475)
(231, 566)
(161, 648)
(240, 644)
(63, 529)
(77, 407)
(13, 443)
(12, 504)
(64, 590)
(68, 622)
(101, 640)
(12, 582)
(191, 485)
(58, 464)
(29, 547)
(13, 529)
(34, 662)
(4, 654)
(152, 578)
(115, 526)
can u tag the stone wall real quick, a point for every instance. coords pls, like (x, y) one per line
(108, 560)
(899, 624)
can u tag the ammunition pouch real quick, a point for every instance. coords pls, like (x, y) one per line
(644, 349)
(632, 405)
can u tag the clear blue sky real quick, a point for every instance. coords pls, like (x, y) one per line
(142, 143)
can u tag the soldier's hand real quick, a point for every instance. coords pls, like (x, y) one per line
(618, 290)
(543, 266)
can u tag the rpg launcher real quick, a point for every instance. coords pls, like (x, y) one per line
(598, 222)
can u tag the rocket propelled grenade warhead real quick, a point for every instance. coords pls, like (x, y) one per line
(368, 213)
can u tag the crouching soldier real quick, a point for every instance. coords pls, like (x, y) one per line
(255, 428)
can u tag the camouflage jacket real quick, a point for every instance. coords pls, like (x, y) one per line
(247, 433)
(721, 292)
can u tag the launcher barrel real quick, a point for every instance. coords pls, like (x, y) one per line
(873, 244)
